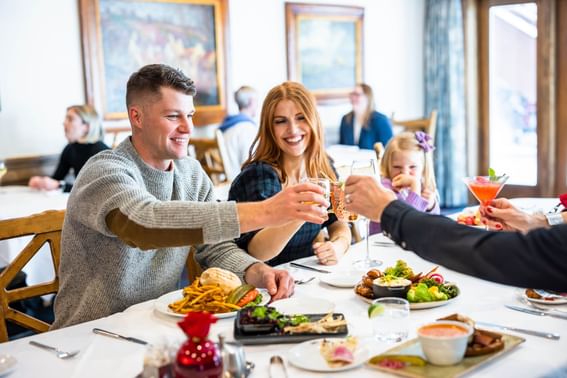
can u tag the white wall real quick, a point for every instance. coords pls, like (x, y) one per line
(41, 70)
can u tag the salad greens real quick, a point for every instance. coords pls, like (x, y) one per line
(271, 315)
(428, 288)
(401, 269)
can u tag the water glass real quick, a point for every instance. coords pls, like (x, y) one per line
(391, 323)
(322, 182)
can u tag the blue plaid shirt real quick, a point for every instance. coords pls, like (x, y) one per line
(257, 182)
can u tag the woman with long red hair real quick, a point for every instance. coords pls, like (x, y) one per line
(289, 146)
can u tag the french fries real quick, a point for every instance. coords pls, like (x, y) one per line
(197, 297)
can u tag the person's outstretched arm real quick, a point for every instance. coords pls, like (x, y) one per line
(537, 259)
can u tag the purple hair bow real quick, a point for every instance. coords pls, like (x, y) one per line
(424, 141)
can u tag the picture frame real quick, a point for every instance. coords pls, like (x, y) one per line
(325, 48)
(121, 36)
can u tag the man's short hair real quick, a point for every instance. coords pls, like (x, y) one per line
(243, 96)
(151, 78)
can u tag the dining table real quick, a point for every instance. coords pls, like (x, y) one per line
(21, 201)
(101, 356)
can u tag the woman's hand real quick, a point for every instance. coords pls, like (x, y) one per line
(328, 253)
(502, 215)
(43, 183)
(403, 180)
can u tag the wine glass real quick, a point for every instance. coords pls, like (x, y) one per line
(485, 188)
(364, 168)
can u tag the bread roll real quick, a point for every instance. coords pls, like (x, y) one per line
(217, 276)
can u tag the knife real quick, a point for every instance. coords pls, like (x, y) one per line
(537, 312)
(308, 267)
(547, 335)
(117, 336)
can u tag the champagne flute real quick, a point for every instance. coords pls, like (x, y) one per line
(364, 168)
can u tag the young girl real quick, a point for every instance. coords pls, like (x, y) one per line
(289, 146)
(407, 169)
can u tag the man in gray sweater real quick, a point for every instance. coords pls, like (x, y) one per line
(134, 211)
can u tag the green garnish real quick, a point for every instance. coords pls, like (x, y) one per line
(492, 175)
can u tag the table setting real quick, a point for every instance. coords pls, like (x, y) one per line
(483, 301)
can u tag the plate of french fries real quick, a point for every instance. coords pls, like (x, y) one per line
(209, 296)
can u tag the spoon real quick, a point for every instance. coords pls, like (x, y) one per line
(59, 353)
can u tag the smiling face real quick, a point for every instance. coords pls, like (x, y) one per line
(292, 133)
(75, 128)
(407, 162)
(162, 127)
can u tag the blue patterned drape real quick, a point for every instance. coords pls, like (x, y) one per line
(444, 90)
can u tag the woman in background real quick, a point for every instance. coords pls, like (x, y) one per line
(289, 147)
(83, 130)
(364, 126)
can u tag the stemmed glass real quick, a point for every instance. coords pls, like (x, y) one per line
(364, 168)
(485, 188)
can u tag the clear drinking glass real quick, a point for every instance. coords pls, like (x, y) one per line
(364, 168)
(390, 319)
(485, 188)
(322, 182)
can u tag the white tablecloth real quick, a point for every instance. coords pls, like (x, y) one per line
(20, 201)
(482, 300)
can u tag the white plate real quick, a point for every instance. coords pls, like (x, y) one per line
(543, 301)
(347, 278)
(7, 364)
(307, 356)
(417, 306)
(303, 305)
(162, 304)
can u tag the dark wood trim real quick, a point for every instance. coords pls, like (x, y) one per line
(546, 96)
(561, 102)
(20, 169)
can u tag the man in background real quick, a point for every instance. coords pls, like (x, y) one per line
(239, 130)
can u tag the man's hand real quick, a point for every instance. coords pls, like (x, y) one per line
(279, 283)
(502, 215)
(298, 202)
(364, 195)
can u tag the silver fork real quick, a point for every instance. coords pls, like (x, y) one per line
(304, 281)
(59, 353)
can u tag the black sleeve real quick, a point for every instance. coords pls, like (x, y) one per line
(64, 164)
(537, 259)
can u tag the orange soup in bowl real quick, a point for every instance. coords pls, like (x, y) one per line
(443, 330)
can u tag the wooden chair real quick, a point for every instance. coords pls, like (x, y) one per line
(211, 153)
(428, 125)
(45, 228)
(194, 270)
(379, 149)
(114, 133)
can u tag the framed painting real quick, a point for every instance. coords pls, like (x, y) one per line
(325, 48)
(121, 36)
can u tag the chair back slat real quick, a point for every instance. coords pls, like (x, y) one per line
(211, 153)
(428, 125)
(46, 230)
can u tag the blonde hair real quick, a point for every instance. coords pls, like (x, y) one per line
(90, 117)
(407, 141)
(370, 106)
(265, 149)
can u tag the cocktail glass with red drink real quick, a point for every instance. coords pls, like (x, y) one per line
(485, 188)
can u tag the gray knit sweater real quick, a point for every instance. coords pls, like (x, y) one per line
(127, 230)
